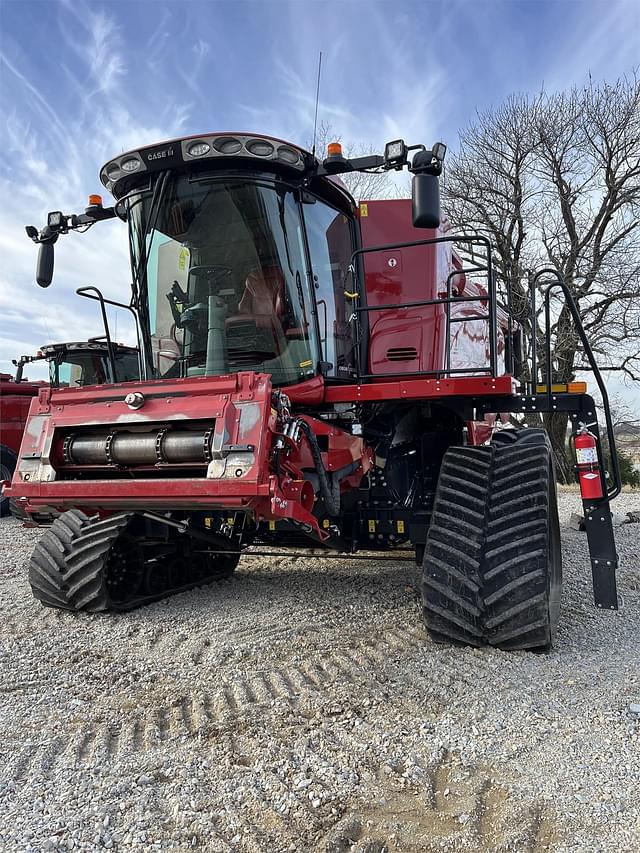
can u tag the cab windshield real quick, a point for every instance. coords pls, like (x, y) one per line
(76, 369)
(221, 272)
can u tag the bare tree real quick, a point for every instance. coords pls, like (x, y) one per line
(555, 181)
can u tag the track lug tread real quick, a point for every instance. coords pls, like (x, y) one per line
(492, 570)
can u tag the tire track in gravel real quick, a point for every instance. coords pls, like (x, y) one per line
(464, 807)
(250, 694)
(246, 694)
(451, 807)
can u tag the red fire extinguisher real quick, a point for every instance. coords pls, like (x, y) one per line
(588, 466)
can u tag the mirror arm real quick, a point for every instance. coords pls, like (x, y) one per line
(49, 234)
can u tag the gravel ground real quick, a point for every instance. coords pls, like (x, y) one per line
(301, 707)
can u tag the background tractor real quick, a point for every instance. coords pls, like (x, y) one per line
(314, 373)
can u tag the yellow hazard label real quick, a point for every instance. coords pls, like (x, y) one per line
(364, 210)
(208, 522)
(183, 259)
(372, 525)
(272, 525)
(325, 523)
(400, 526)
(230, 521)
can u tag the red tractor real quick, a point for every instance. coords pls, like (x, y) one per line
(314, 374)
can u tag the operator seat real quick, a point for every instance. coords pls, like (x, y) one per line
(263, 293)
(256, 332)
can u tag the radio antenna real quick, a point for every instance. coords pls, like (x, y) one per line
(315, 119)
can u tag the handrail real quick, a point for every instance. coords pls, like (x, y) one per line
(559, 282)
(85, 291)
(490, 297)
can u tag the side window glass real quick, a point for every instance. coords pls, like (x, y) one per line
(330, 247)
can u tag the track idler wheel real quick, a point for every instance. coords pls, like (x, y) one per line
(158, 579)
(220, 566)
(124, 569)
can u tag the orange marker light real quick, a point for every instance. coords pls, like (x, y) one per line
(95, 201)
(334, 149)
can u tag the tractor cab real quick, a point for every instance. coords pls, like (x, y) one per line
(74, 365)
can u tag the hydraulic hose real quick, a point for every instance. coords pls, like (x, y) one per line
(329, 486)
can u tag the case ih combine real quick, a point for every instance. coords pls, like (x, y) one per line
(313, 374)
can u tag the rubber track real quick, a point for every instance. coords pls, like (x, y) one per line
(491, 572)
(516, 562)
(66, 568)
(452, 604)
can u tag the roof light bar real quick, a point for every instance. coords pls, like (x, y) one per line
(209, 147)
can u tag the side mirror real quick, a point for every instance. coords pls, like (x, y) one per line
(44, 267)
(425, 198)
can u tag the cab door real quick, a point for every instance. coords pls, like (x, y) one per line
(330, 242)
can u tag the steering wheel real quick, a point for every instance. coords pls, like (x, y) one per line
(214, 274)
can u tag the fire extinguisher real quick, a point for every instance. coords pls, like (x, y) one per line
(588, 465)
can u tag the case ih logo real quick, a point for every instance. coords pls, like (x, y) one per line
(159, 155)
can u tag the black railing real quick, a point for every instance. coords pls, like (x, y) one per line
(489, 300)
(558, 282)
(94, 293)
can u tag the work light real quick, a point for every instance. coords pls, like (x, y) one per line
(55, 219)
(439, 150)
(395, 154)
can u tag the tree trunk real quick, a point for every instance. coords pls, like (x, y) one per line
(556, 426)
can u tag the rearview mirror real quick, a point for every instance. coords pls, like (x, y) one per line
(425, 198)
(44, 267)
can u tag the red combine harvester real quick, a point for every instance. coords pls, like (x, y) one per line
(15, 399)
(313, 375)
(90, 362)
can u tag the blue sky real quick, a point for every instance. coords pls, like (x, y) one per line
(80, 82)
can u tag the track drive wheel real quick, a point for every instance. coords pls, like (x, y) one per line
(84, 563)
(492, 569)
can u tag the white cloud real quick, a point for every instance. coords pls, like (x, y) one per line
(53, 165)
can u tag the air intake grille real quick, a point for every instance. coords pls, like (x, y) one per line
(402, 354)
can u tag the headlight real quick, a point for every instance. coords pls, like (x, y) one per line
(130, 165)
(198, 149)
(227, 145)
(289, 155)
(259, 147)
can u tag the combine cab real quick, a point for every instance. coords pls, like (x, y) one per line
(313, 374)
(94, 362)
